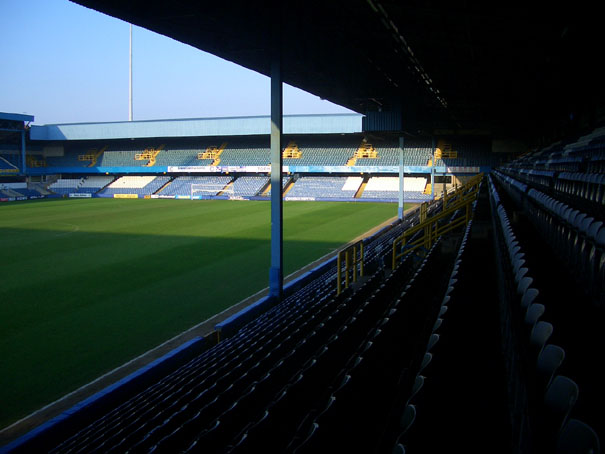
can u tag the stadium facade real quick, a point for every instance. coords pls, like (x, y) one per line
(328, 157)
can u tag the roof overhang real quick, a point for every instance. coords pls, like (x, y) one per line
(454, 64)
(16, 117)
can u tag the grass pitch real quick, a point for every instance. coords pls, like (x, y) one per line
(87, 284)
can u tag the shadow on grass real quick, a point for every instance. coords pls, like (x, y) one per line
(74, 305)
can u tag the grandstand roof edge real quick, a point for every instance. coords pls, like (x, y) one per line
(16, 116)
(192, 127)
(233, 117)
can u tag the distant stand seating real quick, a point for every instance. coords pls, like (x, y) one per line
(322, 151)
(248, 186)
(66, 185)
(388, 188)
(252, 151)
(90, 185)
(8, 164)
(17, 190)
(93, 184)
(300, 150)
(181, 186)
(325, 187)
(284, 182)
(140, 185)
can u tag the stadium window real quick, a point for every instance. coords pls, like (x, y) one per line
(440, 179)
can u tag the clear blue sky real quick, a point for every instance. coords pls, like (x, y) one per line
(64, 63)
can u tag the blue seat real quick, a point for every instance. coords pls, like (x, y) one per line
(549, 360)
(577, 437)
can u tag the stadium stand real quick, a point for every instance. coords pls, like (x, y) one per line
(7, 191)
(181, 186)
(28, 192)
(7, 164)
(467, 152)
(325, 187)
(416, 153)
(140, 185)
(18, 190)
(323, 151)
(186, 152)
(122, 156)
(549, 399)
(388, 188)
(251, 151)
(93, 184)
(284, 182)
(66, 185)
(248, 186)
(310, 150)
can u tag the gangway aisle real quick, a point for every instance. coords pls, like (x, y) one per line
(464, 396)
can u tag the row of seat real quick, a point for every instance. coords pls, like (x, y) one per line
(549, 398)
(302, 415)
(241, 151)
(577, 154)
(333, 427)
(577, 238)
(408, 416)
(586, 190)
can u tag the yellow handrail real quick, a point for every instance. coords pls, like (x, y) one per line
(463, 197)
(350, 257)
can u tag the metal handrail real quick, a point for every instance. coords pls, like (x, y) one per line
(462, 197)
(352, 256)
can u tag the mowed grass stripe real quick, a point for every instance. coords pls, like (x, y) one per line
(89, 284)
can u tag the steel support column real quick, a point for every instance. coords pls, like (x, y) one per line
(23, 151)
(276, 272)
(401, 178)
(433, 169)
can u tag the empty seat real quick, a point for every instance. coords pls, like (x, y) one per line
(560, 398)
(577, 437)
(539, 336)
(549, 360)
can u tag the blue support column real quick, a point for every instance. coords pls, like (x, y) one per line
(276, 278)
(433, 170)
(23, 152)
(401, 178)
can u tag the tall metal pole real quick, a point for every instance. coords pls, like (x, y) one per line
(401, 178)
(276, 271)
(130, 79)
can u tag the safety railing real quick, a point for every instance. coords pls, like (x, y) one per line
(432, 228)
(472, 183)
(349, 264)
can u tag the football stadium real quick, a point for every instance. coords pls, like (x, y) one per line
(423, 275)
